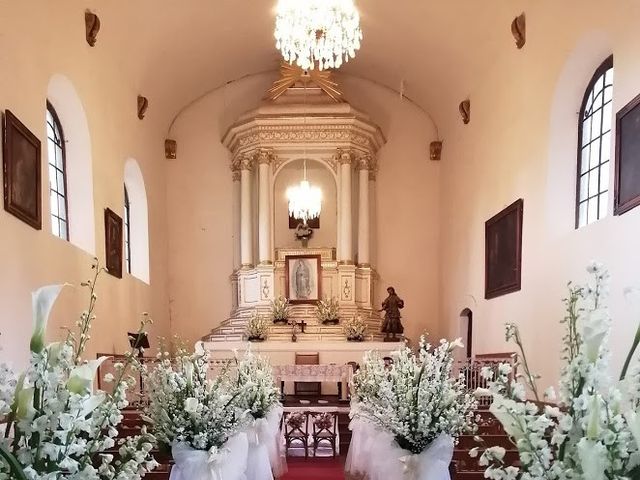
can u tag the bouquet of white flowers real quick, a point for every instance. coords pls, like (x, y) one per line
(255, 378)
(593, 433)
(58, 426)
(257, 327)
(280, 310)
(416, 398)
(355, 329)
(328, 310)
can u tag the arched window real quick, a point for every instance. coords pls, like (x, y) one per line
(137, 218)
(594, 147)
(58, 199)
(127, 230)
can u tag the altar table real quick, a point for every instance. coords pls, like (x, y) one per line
(340, 374)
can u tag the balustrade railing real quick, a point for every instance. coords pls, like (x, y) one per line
(471, 369)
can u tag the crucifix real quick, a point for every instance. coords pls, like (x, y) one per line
(302, 324)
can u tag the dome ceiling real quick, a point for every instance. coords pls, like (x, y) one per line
(182, 49)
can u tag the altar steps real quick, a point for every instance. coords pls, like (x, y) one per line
(233, 329)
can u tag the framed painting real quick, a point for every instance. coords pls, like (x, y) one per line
(303, 278)
(627, 175)
(503, 251)
(113, 242)
(22, 172)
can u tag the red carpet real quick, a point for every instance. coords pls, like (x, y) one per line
(315, 469)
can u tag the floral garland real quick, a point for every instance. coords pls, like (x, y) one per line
(415, 398)
(58, 426)
(594, 431)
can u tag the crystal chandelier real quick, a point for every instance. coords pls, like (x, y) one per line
(305, 200)
(322, 32)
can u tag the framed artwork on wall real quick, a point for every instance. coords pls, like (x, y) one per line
(627, 175)
(113, 242)
(21, 172)
(303, 278)
(503, 251)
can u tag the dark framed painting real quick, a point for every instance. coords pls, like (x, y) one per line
(503, 251)
(113, 242)
(303, 275)
(313, 223)
(627, 175)
(22, 172)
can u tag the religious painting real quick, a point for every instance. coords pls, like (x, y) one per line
(627, 176)
(113, 242)
(313, 223)
(303, 278)
(503, 251)
(22, 172)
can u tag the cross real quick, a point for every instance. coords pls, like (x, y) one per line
(301, 324)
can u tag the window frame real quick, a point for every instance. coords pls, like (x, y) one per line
(127, 230)
(58, 126)
(600, 71)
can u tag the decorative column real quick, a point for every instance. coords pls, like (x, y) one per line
(345, 158)
(236, 200)
(264, 159)
(246, 221)
(364, 223)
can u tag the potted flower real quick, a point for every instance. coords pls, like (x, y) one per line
(280, 310)
(328, 311)
(355, 329)
(257, 328)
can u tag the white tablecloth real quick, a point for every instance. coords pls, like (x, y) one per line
(315, 373)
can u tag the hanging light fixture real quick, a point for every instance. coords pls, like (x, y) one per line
(305, 200)
(322, 32)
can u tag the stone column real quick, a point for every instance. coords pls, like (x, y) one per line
(364, 222)
(246, 220)
(345, 158)
(235, 169)
(264, 159)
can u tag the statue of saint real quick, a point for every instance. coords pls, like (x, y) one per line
(392, 325)
(302, 280)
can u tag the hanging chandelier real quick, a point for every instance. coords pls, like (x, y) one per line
(325, 33)
(305, 200)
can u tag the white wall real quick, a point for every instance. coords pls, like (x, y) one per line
(521, 143)
(38, 42)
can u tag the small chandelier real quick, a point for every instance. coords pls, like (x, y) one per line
(305, 201)
(326, 32)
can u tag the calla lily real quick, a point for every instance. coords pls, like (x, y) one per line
(593, 427)
(24, 407)
(595, 327)
(593, 459)
(502, 408)
(633, 420)
(81, 377)
(43, 300)
(457, 343)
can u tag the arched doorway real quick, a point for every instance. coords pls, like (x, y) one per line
(466, 330)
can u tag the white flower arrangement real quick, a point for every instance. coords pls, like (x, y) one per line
(415, 398)
(593, 433)
(328, 310)
(280, 310)
(257, 327)
(259, 394)
(355, 328)
(185, 407)
(58, 426)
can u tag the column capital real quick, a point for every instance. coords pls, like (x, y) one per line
(345, 156)
(246, 162)
(264, 156)
(366, 161)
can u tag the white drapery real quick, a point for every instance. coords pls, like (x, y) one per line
(228, 462)
(266, 458)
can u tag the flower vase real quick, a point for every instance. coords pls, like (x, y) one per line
(294, 337)
(280, 321)
(256, 339)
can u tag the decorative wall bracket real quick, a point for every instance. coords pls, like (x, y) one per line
(465, 111)
(435, 150)
(170, 149)
(143, 104)
(519, 30)
(92, 27)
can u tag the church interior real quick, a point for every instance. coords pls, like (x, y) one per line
(467, 162)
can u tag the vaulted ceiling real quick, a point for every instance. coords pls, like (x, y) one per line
(179, 50)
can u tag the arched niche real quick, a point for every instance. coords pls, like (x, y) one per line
(466, 331)
(79, 166)
(139, 220)
(319, 174)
